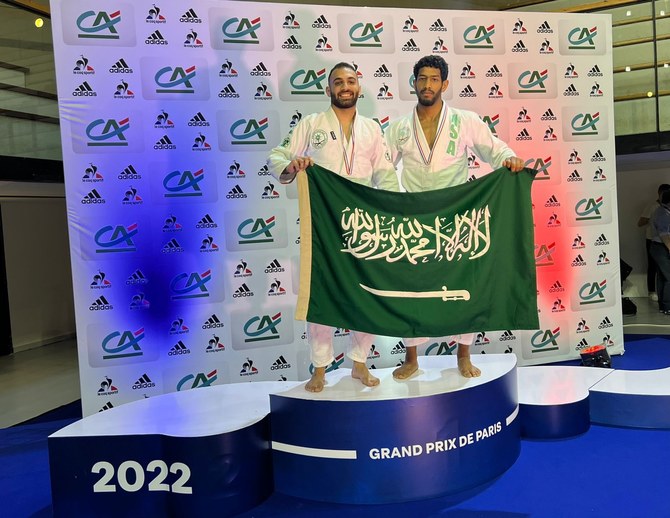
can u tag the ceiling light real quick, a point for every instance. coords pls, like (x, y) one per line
(39, 23)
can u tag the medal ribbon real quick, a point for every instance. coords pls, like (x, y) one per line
(417, 140)
(348, 160)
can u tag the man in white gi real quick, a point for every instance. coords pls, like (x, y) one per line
(345, 142)
(433, 142)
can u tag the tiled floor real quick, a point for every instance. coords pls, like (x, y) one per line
(36, 381)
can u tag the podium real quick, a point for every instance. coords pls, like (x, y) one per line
(225, 448)
(435, 434)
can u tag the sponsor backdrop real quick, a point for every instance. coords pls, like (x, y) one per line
(184, 249)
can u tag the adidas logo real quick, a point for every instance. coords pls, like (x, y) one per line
(437, 26)
(398, 348)
(260, 70)
(137, 277)
(557, 287)
(605, 323)
(236, 193)
(164, 143)
(229, 92)
(129, 173)
(383, 71)
(598, 157)
(524, 135)
(574, 177)
(143, 382)
(243, 291)
(410, 46)
(578, 261)
(156, 38)
(274, 267)
(321, 23)
(106, 407)
(213, 322)
(120, 67)
(84, 90)
(206, 222)
(545, 28)
(601, 241)
(594, 72)
(93, 198)
(519, 47)
(264, 171)
(507, 335)
(198, 120)
(280, 363)
(494, 71)
(190, 17)
(571, 91)
(100, 304)
(467, 92)
(552, 202)
(179, 349)
(292, 44)
(171, 247)
(472, 178)
(548, 116)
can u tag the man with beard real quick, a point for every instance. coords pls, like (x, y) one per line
(433, 143)
(345, 142)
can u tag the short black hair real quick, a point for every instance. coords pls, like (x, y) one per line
(665, 198)
(341, 64)
(432, 62)
(663, 187)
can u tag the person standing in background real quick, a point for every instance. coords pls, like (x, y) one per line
(645, 221)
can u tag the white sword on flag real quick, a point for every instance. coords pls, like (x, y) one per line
(443, 294)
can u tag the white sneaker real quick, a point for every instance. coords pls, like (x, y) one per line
(653, 296)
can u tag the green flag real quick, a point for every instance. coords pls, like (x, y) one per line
(434, 263)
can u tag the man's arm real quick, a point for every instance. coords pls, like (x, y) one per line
(666, 241)
(490, 148)
(285, 160)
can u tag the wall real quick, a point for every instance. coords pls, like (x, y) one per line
(39, 279)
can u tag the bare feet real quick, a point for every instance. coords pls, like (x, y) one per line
(465, 366)
(360, 372)
(317, 381)
(409, 367)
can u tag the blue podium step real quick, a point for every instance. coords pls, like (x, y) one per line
(437, 433)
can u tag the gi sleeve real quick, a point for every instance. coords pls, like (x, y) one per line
(485, 144)
(295, 144)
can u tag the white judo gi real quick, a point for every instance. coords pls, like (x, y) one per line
(446, 164)
(364, 159)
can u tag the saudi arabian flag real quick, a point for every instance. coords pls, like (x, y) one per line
(435, 263)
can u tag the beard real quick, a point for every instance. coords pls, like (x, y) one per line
(428, 101)
(343, 103)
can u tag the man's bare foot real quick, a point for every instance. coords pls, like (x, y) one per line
(409, 366)
(406, 370)
(361, 372)
(317, 381)
(466, 368)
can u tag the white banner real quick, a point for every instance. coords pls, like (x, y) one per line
(185, 250)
